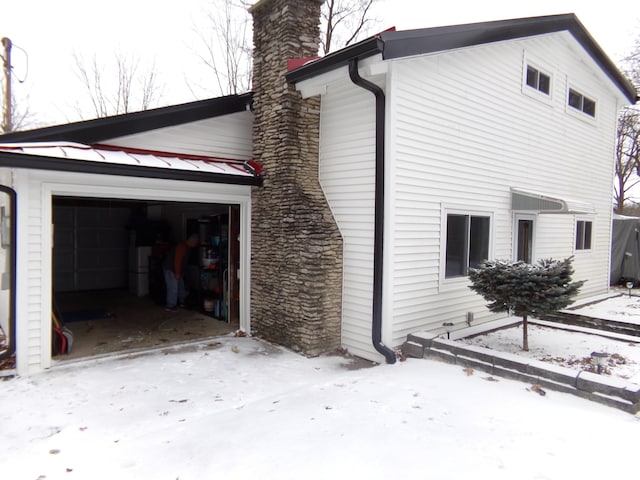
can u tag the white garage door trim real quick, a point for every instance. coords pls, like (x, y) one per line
(36, 190)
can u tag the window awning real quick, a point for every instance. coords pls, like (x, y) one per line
(528, 201)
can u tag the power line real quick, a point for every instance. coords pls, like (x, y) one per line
(26, 55)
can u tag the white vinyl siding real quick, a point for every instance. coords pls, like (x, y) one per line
(463, 133)
(38, 277)
(554, 236)
(227, 136)
(347, 177)
(31, 283)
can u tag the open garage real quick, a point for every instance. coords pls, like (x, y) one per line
(108, 283)
(90, 212)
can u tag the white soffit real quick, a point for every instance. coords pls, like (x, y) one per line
(530, 201)
(371, 66)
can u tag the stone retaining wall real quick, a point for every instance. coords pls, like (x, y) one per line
(610, 391)
(575, 319)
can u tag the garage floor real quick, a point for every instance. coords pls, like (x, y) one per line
(121, 322)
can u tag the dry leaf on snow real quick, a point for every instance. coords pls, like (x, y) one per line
(538, 389)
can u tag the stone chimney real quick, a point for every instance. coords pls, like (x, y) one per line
(296, 256)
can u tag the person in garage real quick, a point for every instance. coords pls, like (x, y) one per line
(174, 267)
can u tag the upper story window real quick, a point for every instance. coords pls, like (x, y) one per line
(583, 234)
(538, 80)
(582, 103)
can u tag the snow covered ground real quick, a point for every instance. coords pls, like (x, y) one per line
(624, 308)
(240, 408)
(566, 348)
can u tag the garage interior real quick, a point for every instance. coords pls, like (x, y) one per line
(108, 284)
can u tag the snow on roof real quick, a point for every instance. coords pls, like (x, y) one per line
(130, 157)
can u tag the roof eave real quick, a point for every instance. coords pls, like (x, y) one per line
(399, 44)
(100, 129)
(581, 34)
(360, 50)
(35, 162)
(408, 43)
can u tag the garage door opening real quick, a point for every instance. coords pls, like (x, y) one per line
(109, 292)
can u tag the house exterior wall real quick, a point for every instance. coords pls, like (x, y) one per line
(297, 247)
(226, 136)
(35, 190)
(33, 286)
(347, 175)
(462, 130)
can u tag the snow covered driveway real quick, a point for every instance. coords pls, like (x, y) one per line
(241, 408)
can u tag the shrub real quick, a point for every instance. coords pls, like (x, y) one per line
(525, 289)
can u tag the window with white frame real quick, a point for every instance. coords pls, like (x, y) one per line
(581, 102)
(467, 243)
(538, 80)
(584, 230)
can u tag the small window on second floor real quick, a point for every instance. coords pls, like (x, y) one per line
(538, 80)
(583, 234)
(580, 102)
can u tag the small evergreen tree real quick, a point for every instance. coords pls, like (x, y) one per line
(525, 289)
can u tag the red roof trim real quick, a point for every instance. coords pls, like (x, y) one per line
(157, 153)
(298, 62)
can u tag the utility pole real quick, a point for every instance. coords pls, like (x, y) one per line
(6, 124)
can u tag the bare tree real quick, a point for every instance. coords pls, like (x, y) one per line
(226, 43)
(226, 39)
(125, 90)
(21, 115)
(627, 156)
(344, 22)
(631, 64)
(150, 87)
(628, 137)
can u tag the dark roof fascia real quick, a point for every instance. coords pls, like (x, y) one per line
(398, 44)
(429, 40)
(35, 162)
(606, 64)
(365, 48)
(415, 42)
(101, 129)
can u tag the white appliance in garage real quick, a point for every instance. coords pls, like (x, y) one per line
(139, 270)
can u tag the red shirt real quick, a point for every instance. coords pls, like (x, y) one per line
(180, 257)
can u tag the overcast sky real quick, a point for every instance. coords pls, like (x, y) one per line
(50, 30)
